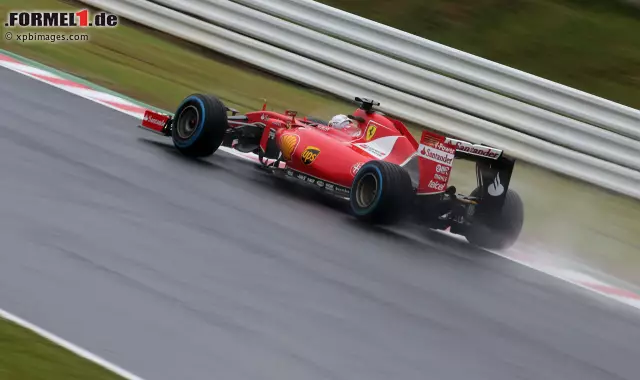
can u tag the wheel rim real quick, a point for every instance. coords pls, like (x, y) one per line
(367, 190)
(187, 122)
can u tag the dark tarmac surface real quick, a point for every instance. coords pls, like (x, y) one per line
(175, 269)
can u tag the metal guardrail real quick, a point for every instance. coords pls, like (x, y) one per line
(347, 85)
(427, 54)
(409, 79)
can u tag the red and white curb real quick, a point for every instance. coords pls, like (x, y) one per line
(136, 110)
(102, 97)
(79, 89)
(575, 277)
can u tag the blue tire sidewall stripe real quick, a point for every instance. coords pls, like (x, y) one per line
(373, 206)
(191, 140)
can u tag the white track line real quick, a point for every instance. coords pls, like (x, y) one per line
(69, 346)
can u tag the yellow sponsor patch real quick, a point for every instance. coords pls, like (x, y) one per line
(309, 155)
(288, 145)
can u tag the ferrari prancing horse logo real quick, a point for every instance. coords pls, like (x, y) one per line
(371, 131)
(309, 155)
(288, 145)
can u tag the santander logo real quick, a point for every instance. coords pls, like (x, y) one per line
(477, 150)
(439, 156)
(159, 122)
(496, 188)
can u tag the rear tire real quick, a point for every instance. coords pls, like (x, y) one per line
(381, 192)
(499, 229)
(199, 125)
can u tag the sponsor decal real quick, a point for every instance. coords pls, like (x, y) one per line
(436, 185)
(373, 151)
(264, 117)
(440, 146)
(437, 155)
(331, 187)
(289, 124)
(309, 155)
(371, 131)
(495, 188)
(476, 150)
(355, 168)
(288, 144)
(323, 128)
(153, 120)
(438, 160)
(440, 177)
(443, 169)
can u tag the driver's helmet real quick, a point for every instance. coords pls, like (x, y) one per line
(339, 122)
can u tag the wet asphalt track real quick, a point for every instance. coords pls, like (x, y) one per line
(203, 270)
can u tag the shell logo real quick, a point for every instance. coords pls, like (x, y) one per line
(288, 145)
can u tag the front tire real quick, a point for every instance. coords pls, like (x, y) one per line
(199, 125)
(381, 192)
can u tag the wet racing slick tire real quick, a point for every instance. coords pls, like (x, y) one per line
(199, 125)
(498, 229)
(381, 193)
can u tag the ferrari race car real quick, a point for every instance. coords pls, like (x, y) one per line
(379, 167)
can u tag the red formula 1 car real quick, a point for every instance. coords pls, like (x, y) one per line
(378, 166)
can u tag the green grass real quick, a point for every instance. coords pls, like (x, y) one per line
(25, 355)
(154, 68)
(592, 45)
(563, 216)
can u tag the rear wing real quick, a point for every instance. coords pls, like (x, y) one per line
(436, 158)
(467, 150)
(493, 170)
